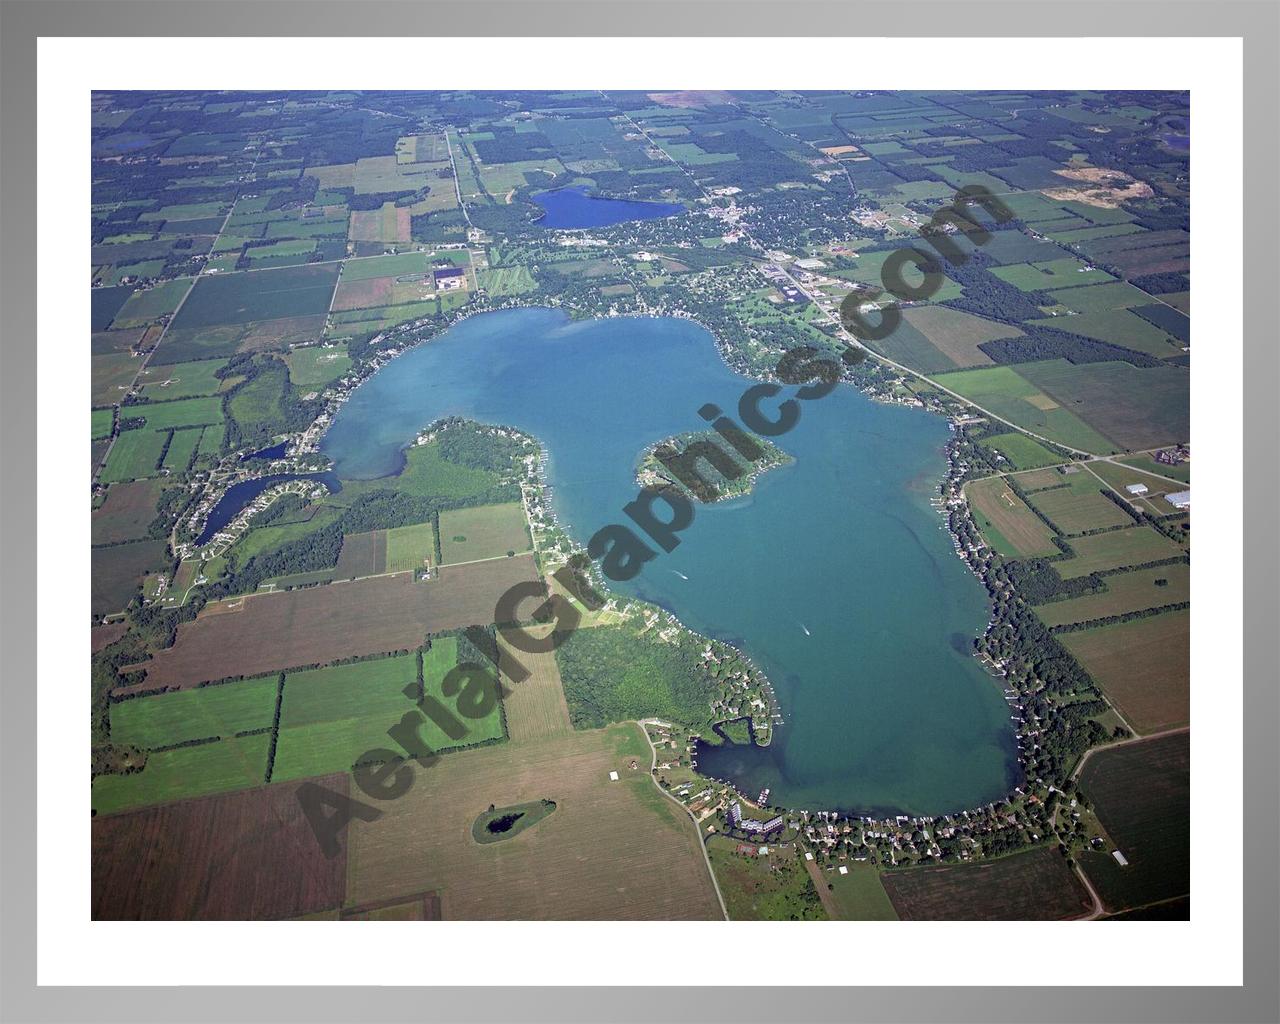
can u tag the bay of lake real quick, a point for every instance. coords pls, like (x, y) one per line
(570, 208)
(835, 575)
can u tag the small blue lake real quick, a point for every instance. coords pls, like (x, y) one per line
(570, 208)
(239, 495)
(276, 451)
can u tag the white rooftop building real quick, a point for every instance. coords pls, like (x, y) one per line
(1137, 488)
(1179, 499)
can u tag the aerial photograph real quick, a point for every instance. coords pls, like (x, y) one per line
(640, 505)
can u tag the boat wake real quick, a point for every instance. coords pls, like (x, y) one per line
(680, 574)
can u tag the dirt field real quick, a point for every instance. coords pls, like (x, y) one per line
(1141, 792)
(105, 636)
(536, 706)
(268, 335)
(1039, 478)
(266, 632)
(388, 224)
(612, 850)
(1143, 666)
(363, 554)
(239, 856)
(1033, 886)
(1006, 522)
(957, 334)
(128, 511)
(376, 291)
(118, 570)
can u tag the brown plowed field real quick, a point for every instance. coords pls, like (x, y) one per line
(234, 857)
(610, 851)
(316, 625)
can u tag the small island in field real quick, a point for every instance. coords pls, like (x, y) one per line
(499, 823)
(652, 472)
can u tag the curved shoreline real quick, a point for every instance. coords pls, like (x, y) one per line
(405, 338)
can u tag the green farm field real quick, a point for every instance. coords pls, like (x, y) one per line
(957, 334)
(1017, 399)
(426, 474)
(489, 531)
(1120, 327)
(859, 894)
(1126, 592)
(316, 366)
(186, 412)
(1006, 522)
(182, 449)
(183, 380)
(186, 772)
(333, 716)
(411, 547)
(1067, 272)
(1134, 546)
(258, 295)
(166, 719)
(1080, 505)
(110, 375)
(1120, 476)
(100, 422)
(1182, 471)
(1021, 451)
(147, 306)
(135, 454)
(1136, 407)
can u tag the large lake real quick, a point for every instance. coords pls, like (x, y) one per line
(570, 208)
(835, 575)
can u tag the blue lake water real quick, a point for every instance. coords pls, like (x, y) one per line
(834, 575)
(574, 208)
(239, 495)
(276, 451)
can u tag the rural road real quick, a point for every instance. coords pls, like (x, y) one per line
(653, 751)
(1125, 743)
